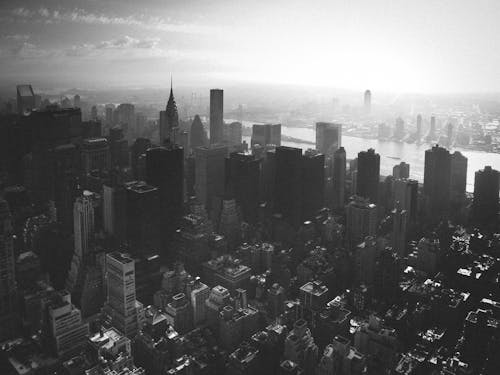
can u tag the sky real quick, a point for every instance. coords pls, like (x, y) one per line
(426, 46)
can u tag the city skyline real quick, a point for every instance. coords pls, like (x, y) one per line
(378, 44)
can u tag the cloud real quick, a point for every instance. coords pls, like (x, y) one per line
(16, 37)
(77, 15)
(128, 42)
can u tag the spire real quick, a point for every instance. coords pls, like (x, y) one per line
(171, 86)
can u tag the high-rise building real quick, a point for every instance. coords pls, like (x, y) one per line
(288, 184)
(313, 184)
(169, 119)
(339, 174)
(401, 170)
(368, 175)
(328, 137)
(406, 193)
(139, 147)
(419, 127)
(199, 294)
(7, 272)
(437, 178)
(118, 148)
(77, 101)
(210, 168)
(125, 117)
(95, 154)
(399, 230)
(486, 206)
(197, 136)
(84, 223)
(243, 182)
(216, 115)
(165, 170)
(361, 220)
(300, 347)
(266, 134)
(114, 211)
(234, 134)
(121, 302)
(25, 99)
(368, 101)
(458, 181)
(109, 115)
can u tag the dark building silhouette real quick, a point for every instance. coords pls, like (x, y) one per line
(165, 170)
(328, 137)
(169, 118)
(485, 206)
(437, 176)
(339, 173)
(368, 175)
(197, 134)
(458, 181)
(243, 182)
(288, 184)
(118, 147)
(313, 184)
(266, 134)
(139, 147)
(25, 99)
(216, 116)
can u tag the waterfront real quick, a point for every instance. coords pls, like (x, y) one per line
(392, 153)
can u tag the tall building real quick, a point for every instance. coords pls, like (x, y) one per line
(406, 193)
(7, 272)
(84, 223)
(266, 134)
(121, 302)
(165, 170)
(125, 117)
(361, 220)
(25, 99)
(328, 137)
(77, 101)
(114, 211)
(197, 136)
(339, 174)
(95, 154)
(210, 165)
(288, 184)
(234, 134)
(368, 101)
(216, 115)
(198, 296)
(437, 179)
(401, 170)
(242, 183)
(458, 181)
(486, 206)
(368, 175)
(313, 184)
(399, 231)
(169, 119)
(419, 127)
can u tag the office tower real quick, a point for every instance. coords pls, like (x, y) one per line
(419, 127)
(93, 111)
(169, 119)
(243, 183)
(485, 206)
(65, 330)
(458, 181)
(7, 272)
(178, 313)
(361, 220)
(399, 129)
(118, 148)
(197, 136)
(437, 176)
(139, 147)
(199, 294)
(115, 211)
(399, 230)
(165, 170)
(288, 184)
(218, 298)
(210, 163)
(328, 138)
(406, 193)
(84, 225)
(95, 154)
(125, 117)
(142, 213)
(216, 115)
(235, 134)
(266, 134)
(77, 101)
(401, 170)
(368, 175)
(368, 101)
(339, 173)
(449, 134)
(313, 184)
(230, 223)
(300, 347)
(108, 117)
(25, 100)
(121, 302)
(432, 130)
(341, 358)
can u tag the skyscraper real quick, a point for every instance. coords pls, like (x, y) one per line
(165, 170)
(7, 272)
(399, 230)
(84, 226)
(339, 171)
(458, 181)
(266, 134)
(419, 127)
(328, 137)
(120, 306)
(197, 134)
(361, 221)
(288, 184)
(210, 163)
(485, 206)
(401, 170)
(368, 101)
(216, 115)
(95, 154)
(437, 176)
(234, 135)
(169, 119)
(313, 184)
(25, 99)
(406, 193)
(368, 175)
